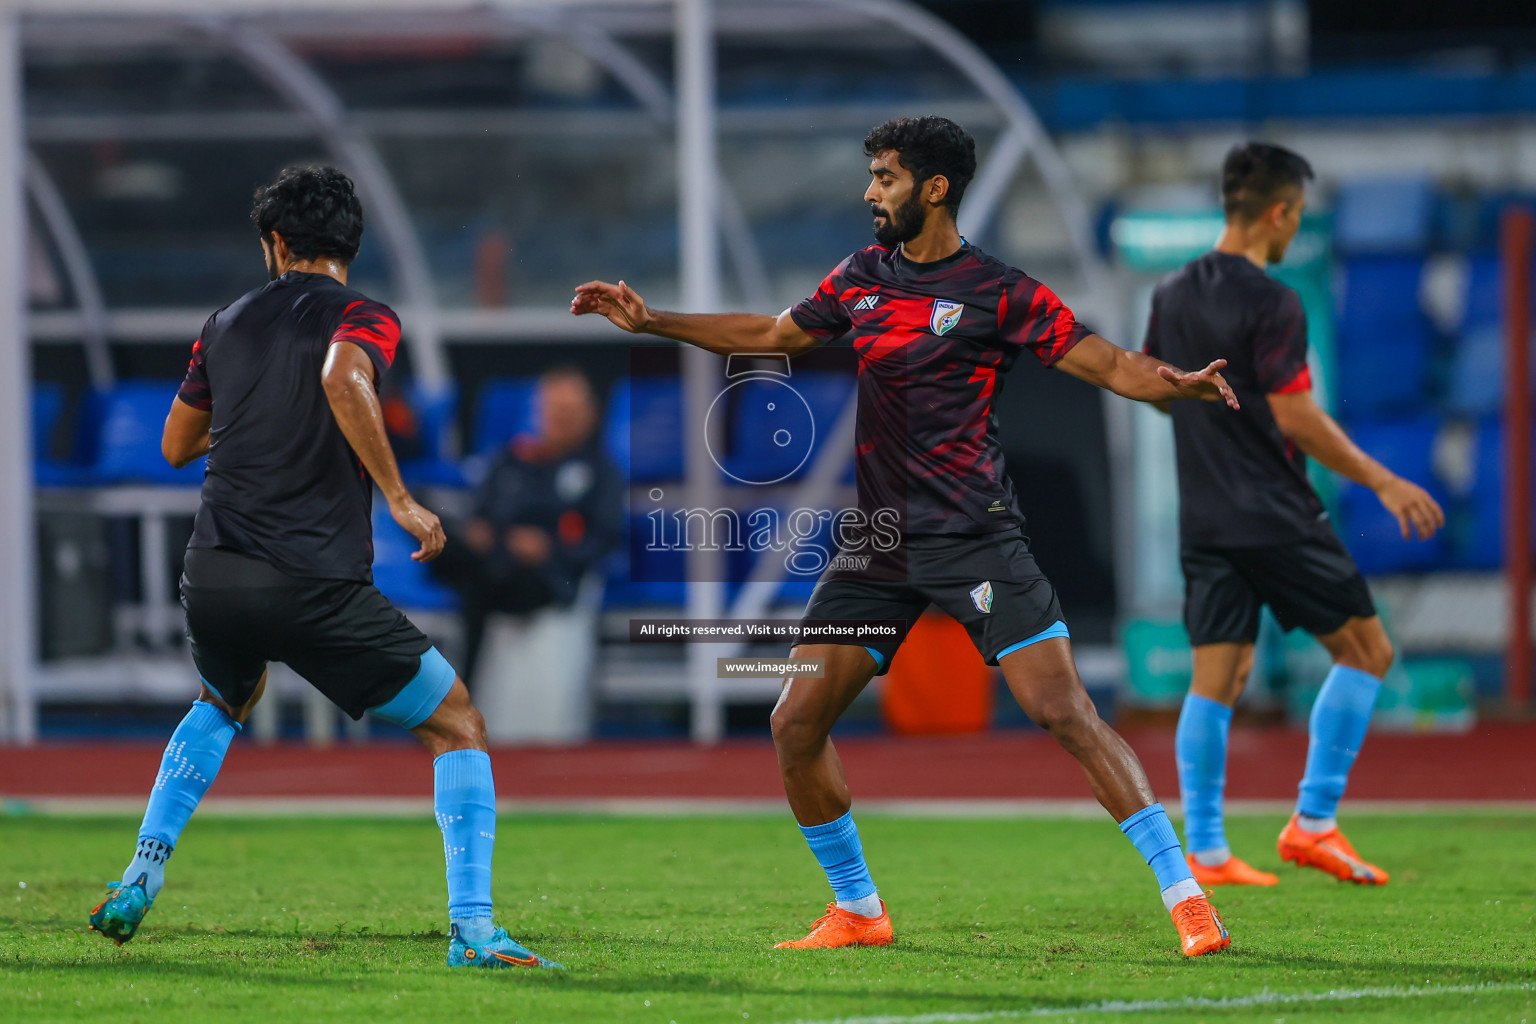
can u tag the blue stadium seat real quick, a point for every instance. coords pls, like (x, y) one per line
(615, 431)
(404, 581)
(754, 455)
(506, 408)
(48, 403)
(1485, 292)
(1381, 325)
(1478, 528)
(132, 419)
(436, 415)
(1369, 531)
(1477, 372)
(638, 576)
(650, 411)
(47, 408)
(1384, 215)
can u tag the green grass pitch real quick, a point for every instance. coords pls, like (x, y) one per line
(673, 919)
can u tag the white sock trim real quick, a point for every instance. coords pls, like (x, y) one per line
(1178, 892)
(867, 906)
(1311, 824)
(1212, 858)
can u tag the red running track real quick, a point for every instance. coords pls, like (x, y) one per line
(1495, 762)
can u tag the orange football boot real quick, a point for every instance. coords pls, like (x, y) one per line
(1230, 872)
(1329, 852)
(1200, 927)
(839, 927)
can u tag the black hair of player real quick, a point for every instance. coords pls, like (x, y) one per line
(927, 146)
(1254, 174)
(315, 209)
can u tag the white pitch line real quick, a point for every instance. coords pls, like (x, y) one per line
(1264, 998)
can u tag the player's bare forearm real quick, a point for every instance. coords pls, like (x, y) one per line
(1302, 421)
(722, 333)
(1142, 378)
(729, 333)
(349, 388)
(186, 436)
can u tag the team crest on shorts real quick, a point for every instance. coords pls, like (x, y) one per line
(981, 597)
(945, 315)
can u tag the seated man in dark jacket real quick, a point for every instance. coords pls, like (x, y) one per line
(547, 512)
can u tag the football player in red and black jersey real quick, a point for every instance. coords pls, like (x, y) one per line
(282, 396)
(1252, 531)
(937, 324)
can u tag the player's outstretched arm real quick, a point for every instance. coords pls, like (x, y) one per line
(1304, 422)
(186, 434)
(348, 381)
(1142, 378)
(723, 333)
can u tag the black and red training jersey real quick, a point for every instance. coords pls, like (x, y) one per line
(1240, 482)
(282, 483)
(934, 341)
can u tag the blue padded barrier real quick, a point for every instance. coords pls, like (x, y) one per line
(505, 408)
(1405, 446)
(1384, 337)
(131, 420)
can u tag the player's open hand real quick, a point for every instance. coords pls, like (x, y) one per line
(423, 524)
(1414, 508)
(620, 303)
(1207, 385)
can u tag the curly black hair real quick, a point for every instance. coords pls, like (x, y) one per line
(1254, 174)
(315, 209)
(927, 146)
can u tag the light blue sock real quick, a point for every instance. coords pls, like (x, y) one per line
(1200, 748)
(1340, 717)
(464, 799)
(837, 849)
(1150, 831)
(187, 768)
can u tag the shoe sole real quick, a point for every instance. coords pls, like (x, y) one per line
(112, 926)
(1223, 944)
(1302, 859)
(884, 940)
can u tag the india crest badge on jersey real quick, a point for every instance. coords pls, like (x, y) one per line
(945, 315)
(981, 597)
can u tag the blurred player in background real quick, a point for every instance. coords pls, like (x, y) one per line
(1252, 530)
(937, 323)
(282, 396)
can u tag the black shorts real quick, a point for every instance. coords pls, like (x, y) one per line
(989, 583)
(1310, 583)
(343, 636)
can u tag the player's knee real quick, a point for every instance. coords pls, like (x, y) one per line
(1064, 714)
(1377, 654)
(1367, 649)
(795, 733)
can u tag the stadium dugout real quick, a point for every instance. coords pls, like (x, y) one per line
(270, 45)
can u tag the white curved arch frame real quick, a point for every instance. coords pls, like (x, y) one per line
(94, 324)
(298, 83)
(702, 215)
(656, 99)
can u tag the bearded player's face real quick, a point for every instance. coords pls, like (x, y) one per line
(893, 200)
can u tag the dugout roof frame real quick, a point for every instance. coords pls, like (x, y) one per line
(256, 32)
